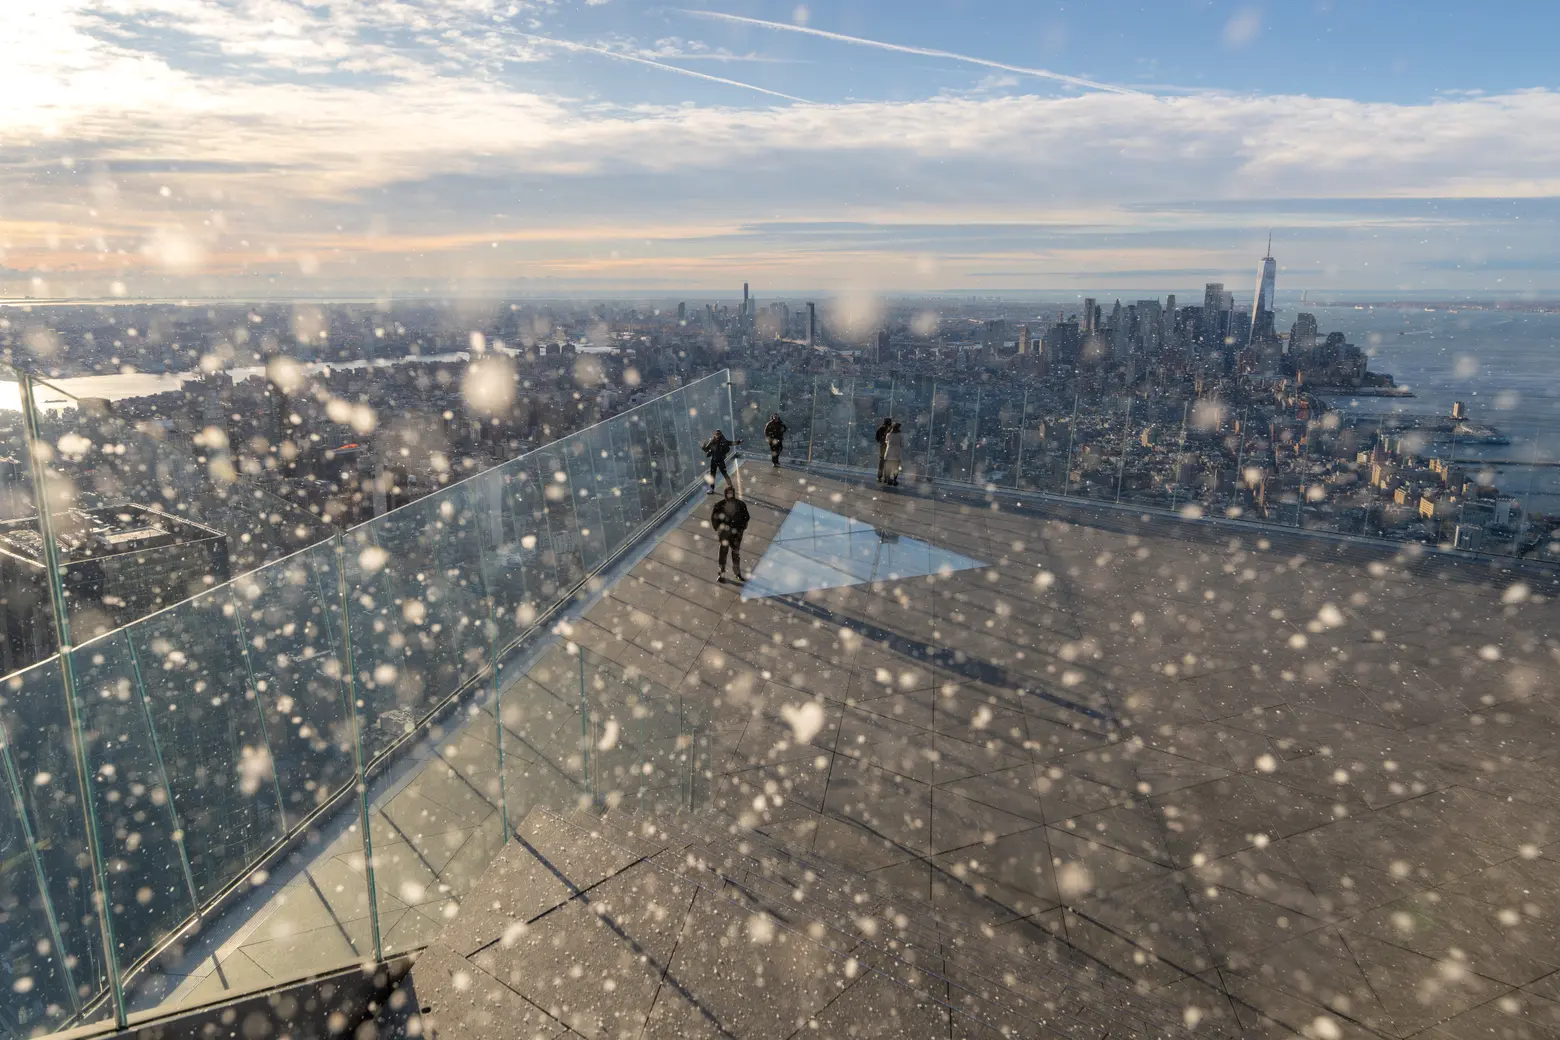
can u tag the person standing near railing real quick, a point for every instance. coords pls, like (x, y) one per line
(774, 432)
(882, 443)
(729, 518)
(893, 455)
(718, 448)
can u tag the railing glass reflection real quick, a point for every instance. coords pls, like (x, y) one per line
(161, 768)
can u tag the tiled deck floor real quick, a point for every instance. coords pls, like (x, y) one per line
(1265, 786)
(1258, 783)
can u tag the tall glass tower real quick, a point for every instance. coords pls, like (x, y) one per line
(1262, 306)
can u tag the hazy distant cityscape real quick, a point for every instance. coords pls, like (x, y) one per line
(264, 427)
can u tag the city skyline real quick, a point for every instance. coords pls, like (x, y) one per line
(203, 147)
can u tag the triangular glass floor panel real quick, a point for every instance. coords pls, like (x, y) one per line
(817, 549)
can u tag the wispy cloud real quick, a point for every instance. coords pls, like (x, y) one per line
(926, 52)
(639, 59)
(471, 150)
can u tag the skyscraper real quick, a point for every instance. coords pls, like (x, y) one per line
(812, 323)
(1088, 316)
(1262, 305)
(1212, 311)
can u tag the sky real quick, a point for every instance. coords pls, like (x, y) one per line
(365, 147)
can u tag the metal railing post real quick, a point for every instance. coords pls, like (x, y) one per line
(349, 668)
(73, 706)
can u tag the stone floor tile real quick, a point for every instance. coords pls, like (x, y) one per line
(1417, 992)
(597, 979)
(1010, 790)
(1138, 770)
(1087, 868)
(957, 821)
(1513, 1016)
(876, 1008)
(754, 977)
(463, 1000)
(1497, 944)
(1528, 886)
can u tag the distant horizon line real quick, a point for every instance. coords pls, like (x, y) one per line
(1325, 296)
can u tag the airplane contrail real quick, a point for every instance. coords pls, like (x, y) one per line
(929, 52)
(570, 45)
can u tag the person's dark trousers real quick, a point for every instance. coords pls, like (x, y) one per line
(718, 467)
(880, 464)
(731, 541)
(776, 446)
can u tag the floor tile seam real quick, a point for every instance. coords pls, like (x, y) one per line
(855, 942)
(766, 638)
(562, 1026)
(931, 913)
(1427, 1031)
(1344, 930)
(417, 787)
(671, 958)
(574, 890)
(1185, 892)
(850, 908)
(406, 840)
(1369, 985)
(1364, 975)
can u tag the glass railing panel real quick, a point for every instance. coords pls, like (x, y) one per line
(755, 397)
(212, 730)
(832, 421)
(153, 887)
(872, 401)
(562, 529)
(579, 463)
(667, 471)
(913, 401)
(435, 835)
(640, 462)
(996, 448)
(608, 484)
(623, 494)
(38, 972)
(417, 608)
(689, 429)
(506, 501)
(216, 729)
(148, 513)
(58, 972)
(288, 614)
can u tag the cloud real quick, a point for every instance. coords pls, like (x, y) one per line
(426, 161)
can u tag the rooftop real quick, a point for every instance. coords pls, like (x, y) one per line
(1272, 788)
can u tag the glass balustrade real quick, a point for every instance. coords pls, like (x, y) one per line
(1195, 458)
(302, 757)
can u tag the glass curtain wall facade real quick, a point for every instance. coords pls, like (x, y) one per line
(1193, 458)
(152, 771)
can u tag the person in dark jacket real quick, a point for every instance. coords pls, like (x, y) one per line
(882, 443)
(718, 448)
(774, 432)
(730, 519)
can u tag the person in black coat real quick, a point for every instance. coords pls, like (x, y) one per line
(730, 519)
(718, 448)
(774, 432)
